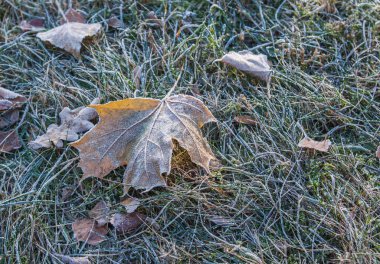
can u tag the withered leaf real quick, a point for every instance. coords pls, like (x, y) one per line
(89, 231)
(322, 146)
(125, 223)
(9, 141)
(246, 61)
(378, 152)
(245, 119)
(130, 204)
(34, 25)
(9, 99)
(114, 22)
(72, 122)
(8, 118)
(100, 213)
(73, 260)
(140, 132)
(70, 36)
(71, 15)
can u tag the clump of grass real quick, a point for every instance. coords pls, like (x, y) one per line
(286, 204)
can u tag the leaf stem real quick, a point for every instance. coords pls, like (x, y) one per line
(174, 86)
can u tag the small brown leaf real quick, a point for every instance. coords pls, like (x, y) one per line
(9, 141)
(70, 36)
(54, 135)
(322, 146)
(130, 204)
(245, 119)
(9, 99)
(73, 260)
(89, 231)
(378, 152)
(114, 22)
(34, 25)
(72, 122)
(8, 118)
(71, 15)
(246, 61)
(125, 223)
(140, 132)
(137, 76)
(100, 213)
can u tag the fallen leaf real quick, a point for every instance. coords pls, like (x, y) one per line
(137, 76)
(34, 25)
(139, 132)
(222, 221)
(114, 22)
(9, 118)
(100, 213)
(89, 231)
(317, 145)
(9, 141)
(378, 152)
(246, 61)
(125, 223)
(73, 260)
(72, 122)
(245, 119)
(9, 99)
(70, 36)
(130, 204)
(54, 135)
(71, 15)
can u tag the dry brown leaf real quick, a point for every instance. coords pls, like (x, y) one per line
(100, 213)
(9, 141)
(125, 223)
(245, 119)
(89, 231)
(140, 132)
(71, 15)
(114, 22)
(246, 61)
(70, 36)
(73, 260)
(34, 25)
(9, 118)
(317, 145)
(378, 152)
(137, 76)
(9, 99)
(72, 122)
(130, 204)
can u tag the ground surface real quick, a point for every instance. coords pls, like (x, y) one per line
(282, 204)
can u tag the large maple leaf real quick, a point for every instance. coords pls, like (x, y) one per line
(140, 132)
